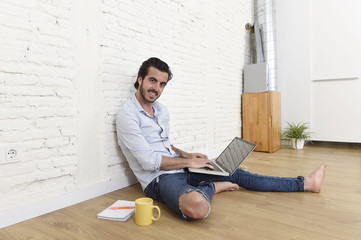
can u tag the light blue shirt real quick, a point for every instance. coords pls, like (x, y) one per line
(144, 139)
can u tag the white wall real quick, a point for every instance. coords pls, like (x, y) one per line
(38, 100)
(293, 59)
(67, 66)
(319, 40)
(335, 70)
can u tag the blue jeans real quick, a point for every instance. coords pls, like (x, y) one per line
(168, 188)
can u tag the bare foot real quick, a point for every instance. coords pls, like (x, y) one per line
(225, 186)
(314, 181)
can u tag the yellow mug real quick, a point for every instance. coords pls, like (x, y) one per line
(144, 211)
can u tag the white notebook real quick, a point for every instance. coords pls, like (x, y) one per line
(118, 214)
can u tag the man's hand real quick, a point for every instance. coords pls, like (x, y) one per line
(184, 154)
(200, 162)
(197, 155)
(193, 160)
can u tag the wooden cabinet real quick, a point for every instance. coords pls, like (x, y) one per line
(261, 120)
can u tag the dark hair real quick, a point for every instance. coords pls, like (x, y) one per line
(152, 62)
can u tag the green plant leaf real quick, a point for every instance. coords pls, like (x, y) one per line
(297, 131)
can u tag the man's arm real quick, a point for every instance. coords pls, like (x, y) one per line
(131, 137)
(184, 154)
(169, 163)
(193, 160)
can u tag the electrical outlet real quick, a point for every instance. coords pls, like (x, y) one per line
(12, 153)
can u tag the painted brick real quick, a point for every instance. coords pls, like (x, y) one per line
(36, 154)
(68, 131)
(40, 90)
(37, 64)
(69, 149)
(64, 161)
(56, 142)
(15, 124)
(52, 122)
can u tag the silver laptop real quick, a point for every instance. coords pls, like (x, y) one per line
(230, 159)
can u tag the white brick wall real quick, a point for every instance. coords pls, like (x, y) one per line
(185, 34)
(37, 67)
(204, 42)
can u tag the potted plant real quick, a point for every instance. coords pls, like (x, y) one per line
(297, 134)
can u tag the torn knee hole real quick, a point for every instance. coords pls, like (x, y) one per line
(194, 205)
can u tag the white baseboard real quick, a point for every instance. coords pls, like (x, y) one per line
(19, 214)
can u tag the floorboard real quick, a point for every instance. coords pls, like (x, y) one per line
(335, 213)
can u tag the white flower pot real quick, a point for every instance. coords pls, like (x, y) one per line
(297, 144)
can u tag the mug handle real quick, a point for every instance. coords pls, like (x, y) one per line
(155, 219)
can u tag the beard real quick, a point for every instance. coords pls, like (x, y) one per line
(142, 93)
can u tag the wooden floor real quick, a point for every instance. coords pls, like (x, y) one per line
(335, 213)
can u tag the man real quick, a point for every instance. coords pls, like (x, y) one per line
(143, 135)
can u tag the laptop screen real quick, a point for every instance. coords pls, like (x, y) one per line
(234, 154)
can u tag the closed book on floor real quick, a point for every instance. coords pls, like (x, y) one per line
(121, 211)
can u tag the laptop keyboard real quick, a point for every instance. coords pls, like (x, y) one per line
(215, 168)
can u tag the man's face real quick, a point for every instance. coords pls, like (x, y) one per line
(153, 84)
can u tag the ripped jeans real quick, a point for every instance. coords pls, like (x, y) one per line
(168, 188)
